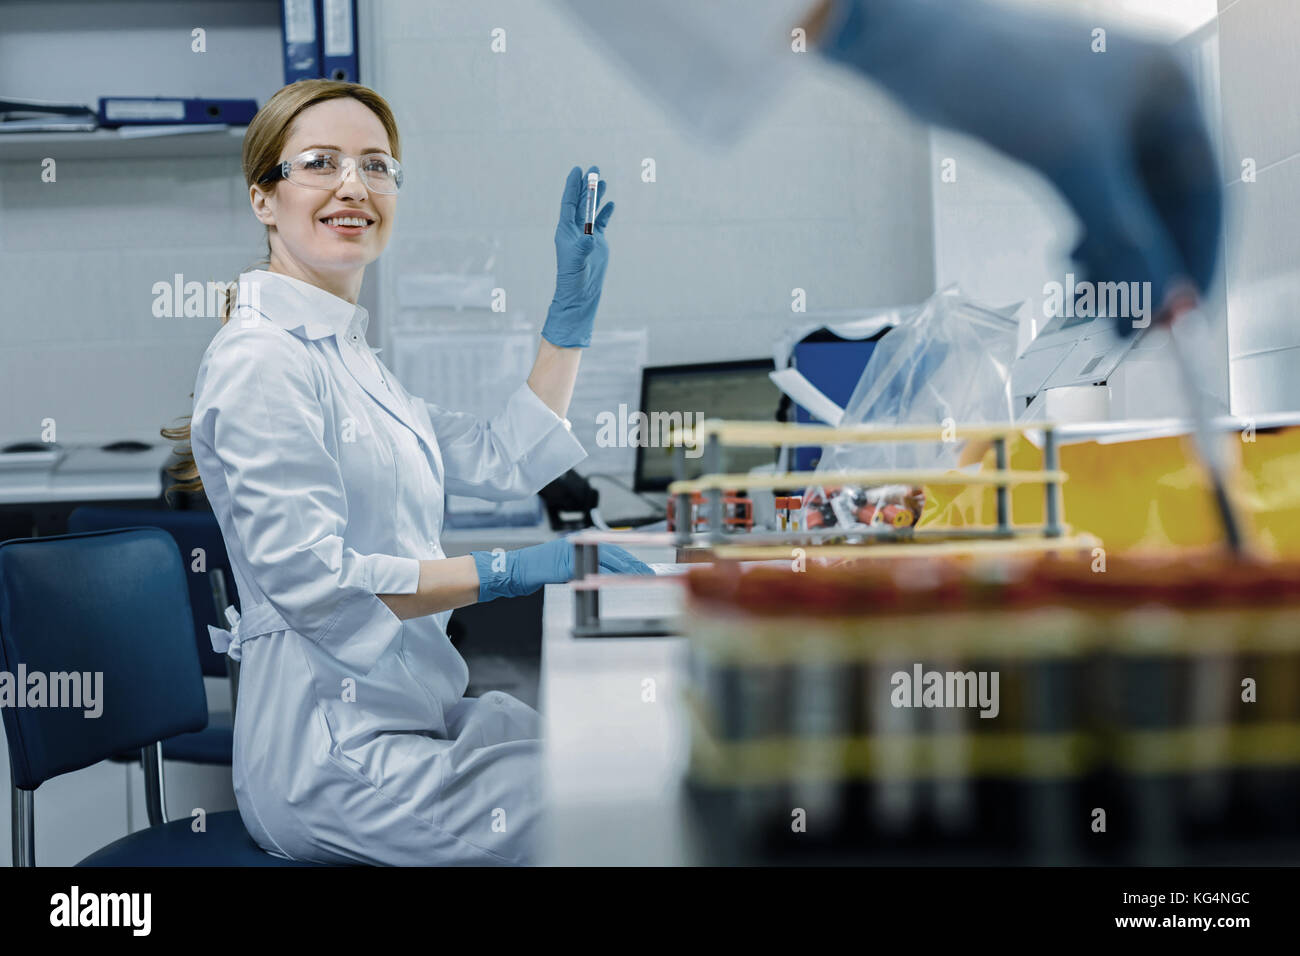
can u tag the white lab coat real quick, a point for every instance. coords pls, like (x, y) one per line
(354, 741)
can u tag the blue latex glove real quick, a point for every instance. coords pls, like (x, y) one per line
(580, 262)
(1119, 132)
(516, 573)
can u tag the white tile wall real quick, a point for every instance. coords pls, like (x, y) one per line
(1257, 42)
(1261, 76)
(1264, 261)
(1000, 231)
(1266, 382)
(829, 193)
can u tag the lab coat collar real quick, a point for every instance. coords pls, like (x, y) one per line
(300, 307)
(312, 313)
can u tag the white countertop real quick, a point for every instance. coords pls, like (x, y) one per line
(83, 473)
(612, 760)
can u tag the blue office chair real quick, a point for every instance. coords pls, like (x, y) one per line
(112, 602)
(209, 593)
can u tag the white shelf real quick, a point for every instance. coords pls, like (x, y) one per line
(111, 144)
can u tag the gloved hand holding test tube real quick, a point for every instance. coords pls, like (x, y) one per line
(581, 256)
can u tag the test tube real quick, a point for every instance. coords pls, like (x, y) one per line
(593, 181)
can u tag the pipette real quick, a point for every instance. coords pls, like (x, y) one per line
(1209, 443)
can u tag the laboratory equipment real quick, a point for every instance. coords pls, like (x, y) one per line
(593, 183)
(1073, 353)
(737, 507)
(946, 360)
(926, 711)
(908, 492)
(1209, 444)
(680, 395)
(892, 537)
(855, 507)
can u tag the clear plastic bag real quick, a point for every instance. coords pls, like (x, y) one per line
(946, 362)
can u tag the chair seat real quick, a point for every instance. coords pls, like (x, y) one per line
(225, 843)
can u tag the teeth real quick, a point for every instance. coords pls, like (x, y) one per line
(347, 221)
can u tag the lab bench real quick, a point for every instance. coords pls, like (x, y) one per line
(615, 740)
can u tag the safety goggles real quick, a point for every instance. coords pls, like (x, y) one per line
(326, 169)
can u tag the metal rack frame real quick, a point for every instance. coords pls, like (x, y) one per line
(1000, 539)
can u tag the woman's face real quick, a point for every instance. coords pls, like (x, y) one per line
(301, 239)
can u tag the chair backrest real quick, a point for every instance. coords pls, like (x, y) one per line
(107, 603)
(192, 530)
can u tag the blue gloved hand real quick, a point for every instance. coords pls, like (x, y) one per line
(1119, 132)
(580, 262)
(516, 573)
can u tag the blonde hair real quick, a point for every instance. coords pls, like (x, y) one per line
(263, 143)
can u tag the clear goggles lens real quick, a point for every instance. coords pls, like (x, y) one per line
(326, 168)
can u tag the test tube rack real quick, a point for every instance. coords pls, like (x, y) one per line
(1000, 539)
(1003, 537)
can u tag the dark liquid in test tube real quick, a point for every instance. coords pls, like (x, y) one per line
(593, 181)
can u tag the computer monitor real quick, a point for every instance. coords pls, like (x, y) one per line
(738, 391)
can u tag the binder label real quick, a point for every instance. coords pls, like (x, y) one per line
(299, 21)
(338, 28)
(128, 110)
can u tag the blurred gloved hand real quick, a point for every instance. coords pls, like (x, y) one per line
(1118, 132)
(580, 262)
(516, 573)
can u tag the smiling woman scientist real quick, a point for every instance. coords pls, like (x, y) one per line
(354, 741)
